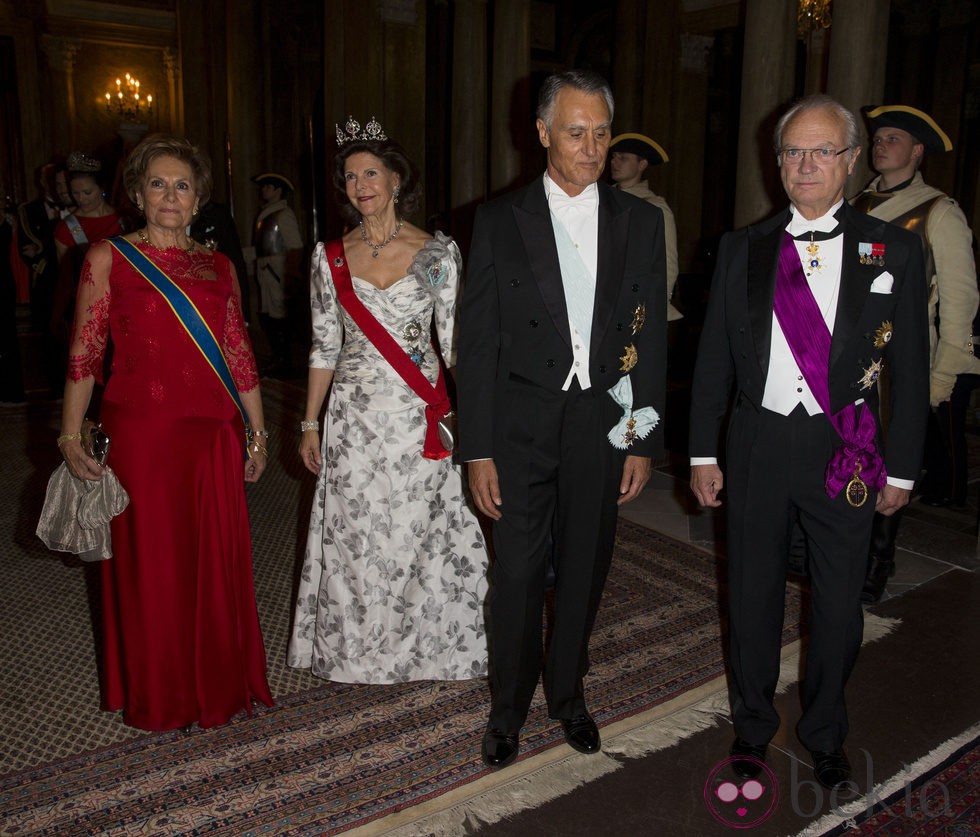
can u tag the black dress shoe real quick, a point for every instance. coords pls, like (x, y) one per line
(749, 758)
(499, 748)
(581, 733)
(831, 769)
(879, 571)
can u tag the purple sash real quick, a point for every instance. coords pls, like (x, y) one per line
(809, 339)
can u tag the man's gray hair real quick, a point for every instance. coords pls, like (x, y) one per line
(584, 80)
(819, 101)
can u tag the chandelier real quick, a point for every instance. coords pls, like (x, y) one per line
(126, 102)
(812, 15)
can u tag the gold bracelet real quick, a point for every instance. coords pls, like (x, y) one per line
(257, 448)
(68, 437)
(309, 425)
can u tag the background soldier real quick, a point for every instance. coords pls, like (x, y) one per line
(278, 252)
(901, 137)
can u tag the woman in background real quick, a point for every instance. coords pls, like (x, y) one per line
(91, 220)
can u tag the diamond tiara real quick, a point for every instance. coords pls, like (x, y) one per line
(352, 131)
(77, 161)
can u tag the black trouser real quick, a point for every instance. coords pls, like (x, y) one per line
(775, 478)
(559, 480)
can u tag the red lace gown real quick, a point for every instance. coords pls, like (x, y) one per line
(181, 632)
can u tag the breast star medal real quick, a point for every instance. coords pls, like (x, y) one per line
(857, 490)
(639, 318)
(871, 374)
(412, 332)
(629, 359)
(883, 334)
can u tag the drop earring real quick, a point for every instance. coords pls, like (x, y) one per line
(397, 190)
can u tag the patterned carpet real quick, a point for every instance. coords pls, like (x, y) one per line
(938, 795)
(327, 757)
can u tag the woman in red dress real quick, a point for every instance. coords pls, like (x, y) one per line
(181, 633)
(91, 220)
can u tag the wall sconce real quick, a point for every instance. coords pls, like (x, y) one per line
(126, 102)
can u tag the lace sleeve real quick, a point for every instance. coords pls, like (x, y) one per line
(235, 344)
(91, 329)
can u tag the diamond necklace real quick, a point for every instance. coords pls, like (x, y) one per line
(376, 248)
(141, 235)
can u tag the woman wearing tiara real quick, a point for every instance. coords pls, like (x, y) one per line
(394, 575)
(91, 220)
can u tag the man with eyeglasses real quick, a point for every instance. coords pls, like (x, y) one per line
(804, 310)
(901, 137)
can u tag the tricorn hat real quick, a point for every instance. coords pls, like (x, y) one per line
(641, 146)
(916, 122)
(274, 179)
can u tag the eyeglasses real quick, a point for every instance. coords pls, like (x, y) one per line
(817, 155)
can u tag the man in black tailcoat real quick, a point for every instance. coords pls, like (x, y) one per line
(804, 310)
(561, 379)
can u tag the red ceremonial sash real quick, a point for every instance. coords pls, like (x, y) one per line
(437, 404)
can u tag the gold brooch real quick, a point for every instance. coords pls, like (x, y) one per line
(883, 334)
(639, 318)
(871, 374)
(629, 359)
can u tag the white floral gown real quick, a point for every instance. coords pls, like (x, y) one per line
(394, 576)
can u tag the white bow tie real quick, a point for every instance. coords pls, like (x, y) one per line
(587, 201)
(799, 225)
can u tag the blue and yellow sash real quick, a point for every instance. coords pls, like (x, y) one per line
(189, 317)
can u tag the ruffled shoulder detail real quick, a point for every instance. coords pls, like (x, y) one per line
(435, 262)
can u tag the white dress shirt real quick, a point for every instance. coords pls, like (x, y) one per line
(579, 215)
(785, 386)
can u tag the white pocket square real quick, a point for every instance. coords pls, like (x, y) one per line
(882, 283)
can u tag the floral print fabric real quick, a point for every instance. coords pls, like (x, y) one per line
(394, 575)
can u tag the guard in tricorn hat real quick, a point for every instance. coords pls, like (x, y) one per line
(278, 181)
(278, 253)
(630, 156)
(901, 137)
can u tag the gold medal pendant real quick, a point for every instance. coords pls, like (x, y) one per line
(813, 249)
(856, 491)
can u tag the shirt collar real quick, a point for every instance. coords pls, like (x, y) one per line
(559, 199)
(798, 225)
